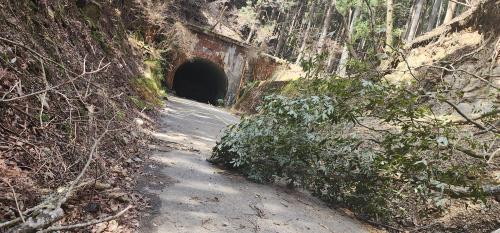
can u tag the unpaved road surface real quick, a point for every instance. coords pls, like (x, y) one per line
(199, 197)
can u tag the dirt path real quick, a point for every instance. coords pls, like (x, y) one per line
(202, 198)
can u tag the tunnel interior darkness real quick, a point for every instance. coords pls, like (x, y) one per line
(201, 80)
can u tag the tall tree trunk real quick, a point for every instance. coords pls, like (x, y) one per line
(440, 14)
(308, 31)
(415, 18)
(295, 24)
(297, 17)
(450, 11)
(342, 67)
(408, 21)
(326, 27)
(434, 14)
(250, 35)
(331, 56)
(389, 25)
(282, 35)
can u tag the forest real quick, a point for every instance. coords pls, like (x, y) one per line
(249, 116)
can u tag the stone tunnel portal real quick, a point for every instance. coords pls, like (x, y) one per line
(201, 80)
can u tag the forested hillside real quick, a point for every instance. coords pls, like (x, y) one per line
(396, 117)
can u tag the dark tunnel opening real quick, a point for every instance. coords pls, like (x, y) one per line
(201, 80)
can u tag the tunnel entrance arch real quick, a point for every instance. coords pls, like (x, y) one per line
(201, 80)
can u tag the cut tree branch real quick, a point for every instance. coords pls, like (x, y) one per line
(81, 225)
(461, 191)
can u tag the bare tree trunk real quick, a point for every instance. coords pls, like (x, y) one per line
(342, 67)
(434, 14)
(250, 35)
(296, 23)
(450, 11)
(297, 17)
(389, 25)
(282, 35)
(308, 31)
(331, 56)
(408, 21)
(440, 14)
(415, 18)
(326, 26)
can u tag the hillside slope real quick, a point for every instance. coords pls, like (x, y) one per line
(71, 83)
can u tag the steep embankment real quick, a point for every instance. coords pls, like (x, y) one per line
(461, 62)
(70, 81)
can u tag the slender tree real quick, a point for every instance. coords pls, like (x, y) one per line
(250, 35)
(415, 19)
(282, 34)
(389, 25)
(326, 27)
(310, 19)
(342, 67)
(433, 18)
(295, 26)
(450, 11)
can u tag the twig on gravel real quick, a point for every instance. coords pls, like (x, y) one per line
(85, 224)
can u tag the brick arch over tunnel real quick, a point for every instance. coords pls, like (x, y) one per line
(201, 80)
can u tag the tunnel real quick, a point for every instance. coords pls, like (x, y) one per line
(201, 80)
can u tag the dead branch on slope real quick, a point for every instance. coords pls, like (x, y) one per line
(50, 210)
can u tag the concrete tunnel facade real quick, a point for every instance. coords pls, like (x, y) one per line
(212, 71)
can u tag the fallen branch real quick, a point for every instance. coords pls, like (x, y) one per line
(15, 199)
(468, 118)
(461, 191)
(464, 71)
(71, 80)
(32, 50)
(219, 18)
(50, 211)
(493, 156)
(470, 152)
(461, 3)
(80, 225)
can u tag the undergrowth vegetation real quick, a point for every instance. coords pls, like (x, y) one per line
(149, 84)
(373, 146)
